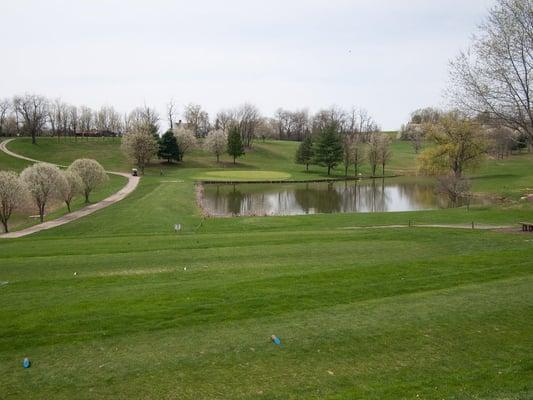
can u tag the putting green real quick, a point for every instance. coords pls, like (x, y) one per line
(243, 175)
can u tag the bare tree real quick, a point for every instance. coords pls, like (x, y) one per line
(495, 75)
(249, 119)
(171, 108)
(5, 107)
(194, 115)
(33, 110)
(41, 181)
(143, 118)
(384, 151)
(225, 119)
(12, 193)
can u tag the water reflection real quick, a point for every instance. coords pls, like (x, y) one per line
(321, 197)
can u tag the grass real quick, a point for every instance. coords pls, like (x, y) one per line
(362, 313)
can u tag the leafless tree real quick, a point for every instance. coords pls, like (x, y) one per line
(142, 118)
(225, 119)
(33, 110)
(495, 74)
(249, 119)
(5, 107)
(195, 117)
(171, 109)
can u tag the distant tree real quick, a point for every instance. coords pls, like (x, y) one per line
(41, 181)
(68, 186)
(140, 146)
(459, 144)
(12, 191)
(92, 174)
(249, 118)
(216, 143)
(373, 153)
(33, 110)
(168, 147)
(384, 151)
(144, 119)
(235, 146)
(495, 75)
(185, 139)
(328, 147)
(358, 155)
(304, 153)
(5, 107)
(170, 113)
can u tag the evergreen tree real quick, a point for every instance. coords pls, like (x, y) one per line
(168, 147)
(328, 150)
(304, 154)
(235, 145)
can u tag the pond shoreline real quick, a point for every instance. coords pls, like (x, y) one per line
(341, 179)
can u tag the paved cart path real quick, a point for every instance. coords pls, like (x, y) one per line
(133, 181)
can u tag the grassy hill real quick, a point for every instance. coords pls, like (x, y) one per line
(362, 313)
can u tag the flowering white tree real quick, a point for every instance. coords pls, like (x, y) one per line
(186, 140)
(216, 142)
(12, 193)
(92, 174)
(41, 181)
(68, 186)
(140, 146)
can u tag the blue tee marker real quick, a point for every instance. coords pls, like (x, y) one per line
(26, 363)
(276, 340)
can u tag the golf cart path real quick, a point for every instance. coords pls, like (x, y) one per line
(133, 181)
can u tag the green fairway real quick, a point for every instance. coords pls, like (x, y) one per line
(118, 305)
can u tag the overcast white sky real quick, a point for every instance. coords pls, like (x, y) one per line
(388, 56)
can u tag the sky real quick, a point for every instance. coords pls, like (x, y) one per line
(387, 56)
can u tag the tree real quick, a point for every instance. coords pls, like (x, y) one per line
(384, 152)
(235, 146)
(185, 139)
(12, 193)
(5, 107)
(328, 147)
(33, 110)
(249, 119)
(170, 113)
(92, 174)
(347, 152)
(140, 146)
(41, 181)
(459, 144)
(216, 142)
(68, 186)
(168, 147)
(455, 187)
(373, 153)
(146, 119)
(494, 75)
(358, 155)
(304, 153)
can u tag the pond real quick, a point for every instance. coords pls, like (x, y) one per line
(373, 195)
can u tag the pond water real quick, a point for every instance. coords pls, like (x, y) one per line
(394, 194)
